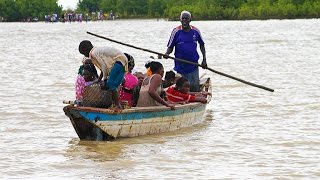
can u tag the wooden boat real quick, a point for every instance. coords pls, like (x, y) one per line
(104, 124)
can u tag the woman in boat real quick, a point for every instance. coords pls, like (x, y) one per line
(152, 87)
(130, 81)
(86, 77)
(87, 61)
(181, 93)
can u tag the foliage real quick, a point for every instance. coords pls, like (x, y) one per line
(89, 5)
(19, 10)
(22, 10)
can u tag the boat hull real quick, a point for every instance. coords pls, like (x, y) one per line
(105, 124)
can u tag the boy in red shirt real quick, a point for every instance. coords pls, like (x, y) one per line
(181, 93)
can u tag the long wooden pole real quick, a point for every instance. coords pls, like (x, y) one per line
(185, 61)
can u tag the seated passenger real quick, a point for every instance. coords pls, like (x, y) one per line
(136, 90)
(168, 79)
(140, 77)
(149, 72)
(87, 61)
(147, 66)
(181, 93)
(86, 77)
(129, 83)
(151, 88)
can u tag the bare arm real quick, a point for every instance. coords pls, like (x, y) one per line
(154, 84)
(202, 93)
(169, 51)
(200, 99)
(200, 96)
(204, 61)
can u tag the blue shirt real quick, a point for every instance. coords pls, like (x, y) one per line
(185, 44)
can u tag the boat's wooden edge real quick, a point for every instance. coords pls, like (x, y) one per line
(134, 109)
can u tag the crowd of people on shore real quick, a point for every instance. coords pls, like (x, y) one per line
(78, 17)
(140, 89)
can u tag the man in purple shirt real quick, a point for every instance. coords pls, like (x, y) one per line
(184, 39)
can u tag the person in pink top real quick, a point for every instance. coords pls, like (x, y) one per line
(85, 78)
(130, 81)
(80, 85)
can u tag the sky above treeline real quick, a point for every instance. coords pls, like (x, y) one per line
(66, 4)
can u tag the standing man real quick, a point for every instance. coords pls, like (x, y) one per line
(112, 63)
(184, 38)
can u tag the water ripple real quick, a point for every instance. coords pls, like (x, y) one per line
(247, 133)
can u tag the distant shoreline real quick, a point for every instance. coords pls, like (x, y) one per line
(154, 19)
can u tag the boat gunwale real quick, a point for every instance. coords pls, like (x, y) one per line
(135, 109)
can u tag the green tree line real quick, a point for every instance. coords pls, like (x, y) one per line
(207, 9)
(18, 10)
(21, 10)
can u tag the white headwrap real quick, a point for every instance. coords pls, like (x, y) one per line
(185, 12)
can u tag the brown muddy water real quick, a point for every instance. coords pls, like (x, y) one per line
(247, 133)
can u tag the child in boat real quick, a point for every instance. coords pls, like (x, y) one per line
(87, 61)
(136, 90)
(140, 77)
(85, 77)
(168, 79)
(181, 93)
(129, 83)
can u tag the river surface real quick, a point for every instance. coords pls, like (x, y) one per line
(247, 133)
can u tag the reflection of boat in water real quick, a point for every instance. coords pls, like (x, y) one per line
(104, 124)
(94, 150)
